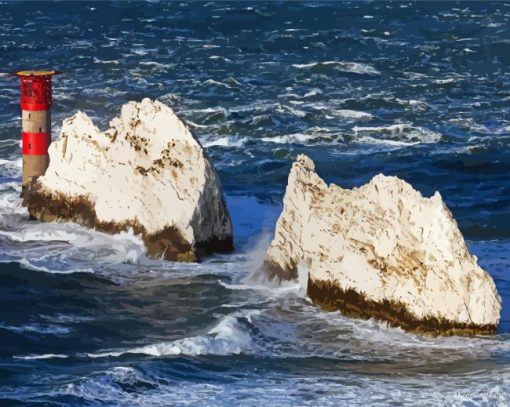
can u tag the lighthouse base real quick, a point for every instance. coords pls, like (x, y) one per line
(34, 166)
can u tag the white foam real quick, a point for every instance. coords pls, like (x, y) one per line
(72, 241)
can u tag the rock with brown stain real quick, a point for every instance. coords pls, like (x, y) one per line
(146, 172)
(382, 251)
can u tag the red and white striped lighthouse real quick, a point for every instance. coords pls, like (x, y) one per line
(35, 104)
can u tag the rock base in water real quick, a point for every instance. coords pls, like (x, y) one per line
(355, 305)
(167, 243)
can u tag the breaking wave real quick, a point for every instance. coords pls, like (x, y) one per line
(228, 337)
(226, 141)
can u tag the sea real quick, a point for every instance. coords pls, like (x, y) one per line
(420, 90)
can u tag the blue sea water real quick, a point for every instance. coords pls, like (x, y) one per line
(419, 90)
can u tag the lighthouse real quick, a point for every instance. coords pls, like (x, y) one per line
(35, 104)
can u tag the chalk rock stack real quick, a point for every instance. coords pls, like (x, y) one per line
(146, 172)
(382, 251)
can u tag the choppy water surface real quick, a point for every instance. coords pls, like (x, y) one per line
(421, 91)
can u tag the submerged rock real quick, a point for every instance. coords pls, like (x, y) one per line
(382, 251)
(146, 172)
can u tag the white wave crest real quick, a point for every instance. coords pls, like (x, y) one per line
(226, 338)
(36, 328)
(351, 114)
(296, 138)
(226, 141)
(42, 357)
(396, 135)
(27, 264)
(344, 66)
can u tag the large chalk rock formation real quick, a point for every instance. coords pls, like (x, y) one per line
(382, 251)
(146, 172)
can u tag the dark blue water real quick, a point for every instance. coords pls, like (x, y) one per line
(419, 90)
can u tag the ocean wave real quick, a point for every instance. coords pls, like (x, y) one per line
(270, 288)
(41, 234)
(290, 110)
(328, 109)
(106, 62)
(66, 248)
(121, 247)
(351, 114)
(414, 104)
(157, 65)
(42, 357)
(228, 337)
(296, 138)
(9, 142)
(227, 141)
(16, 186)
(344, 66)
(220, 58)
(10, 168)
(30, 265)
(113, 386)
(67, 318)
(369, 339)
(229, 83)
(36, 328)
(314, 135)
(396, 135)
(447, 81)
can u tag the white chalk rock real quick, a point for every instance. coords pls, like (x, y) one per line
(382, 251)
(146, 172)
